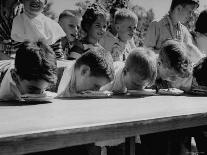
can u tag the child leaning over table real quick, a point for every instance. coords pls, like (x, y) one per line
(176, 67)
(32, 26)
(90, 71)
(138, 72)
(32, 72)
(125, 23)
(70, 23)
(93, 24)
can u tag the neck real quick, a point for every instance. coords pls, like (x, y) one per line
(92, 40)
(31, 15)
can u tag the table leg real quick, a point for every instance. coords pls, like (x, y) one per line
(130, 146)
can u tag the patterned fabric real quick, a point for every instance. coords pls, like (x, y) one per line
(118, 49)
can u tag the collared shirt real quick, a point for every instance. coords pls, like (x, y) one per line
(162, 29)
(8, 86)
(118, 49)
(67, 86)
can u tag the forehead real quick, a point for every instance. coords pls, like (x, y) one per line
(190, 7)
(100, 19)
(70, 19)
(128, 22)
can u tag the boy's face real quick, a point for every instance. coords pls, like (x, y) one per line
(70, 25)
(126, 29)
(34, 7)
(133, 81)
(33, 87)
(186, 12)
(98, 28)
(84, 80)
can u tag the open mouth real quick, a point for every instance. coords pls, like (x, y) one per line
(35, 5)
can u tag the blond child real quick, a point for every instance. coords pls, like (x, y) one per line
(171, 27)
(32, 26)
(70, 23)
(93, 24)
(125, 23)
(138, 72)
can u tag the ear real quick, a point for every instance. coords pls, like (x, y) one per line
(117, 27)
(179, 8)
(85, 70)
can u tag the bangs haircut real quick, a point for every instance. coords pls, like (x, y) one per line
(36, 61)
(122, 14)
(99, 61)
(173, 56)
(200, 72)
(91, 15)
(142, 61)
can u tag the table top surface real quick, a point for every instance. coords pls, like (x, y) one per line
(64, 114)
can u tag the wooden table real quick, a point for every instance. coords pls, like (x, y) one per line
(63, 123)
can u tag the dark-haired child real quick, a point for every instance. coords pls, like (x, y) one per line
(171, 26)
(70, 23)
(125, 23)
(90, 71)
(200, 33)
(93, 24)
(33, 26)
(32, 72)
(138, 72)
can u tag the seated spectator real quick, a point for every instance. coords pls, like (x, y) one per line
(138, 72)
(93, 24)
(89, 72)
(125, 23)
(32, 26)
(32, 72)
(70, 23)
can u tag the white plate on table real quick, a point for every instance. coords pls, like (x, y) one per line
(93, 94)
(146, 92)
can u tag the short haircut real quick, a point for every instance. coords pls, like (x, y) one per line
(142, 61)
(175, 3)
(118, 4)
(67, 13)
(200, 72)
(173, 55)
(91, 14)
(201, 25)
(123, 14)
(99, 61)
(36, 61)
